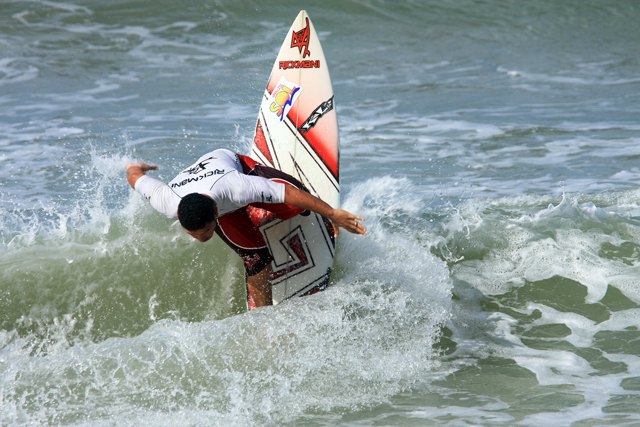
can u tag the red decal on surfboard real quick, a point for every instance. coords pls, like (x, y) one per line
(329, 158)
(261, 142)
(300, 39)
(296, 246)
(317, 140)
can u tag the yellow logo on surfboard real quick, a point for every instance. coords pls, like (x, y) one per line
(284, 95)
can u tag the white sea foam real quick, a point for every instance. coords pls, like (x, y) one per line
(566, 240)
(16, 70)
(545, 245)
(366, 338)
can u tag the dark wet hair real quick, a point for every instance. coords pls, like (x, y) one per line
(195, 211)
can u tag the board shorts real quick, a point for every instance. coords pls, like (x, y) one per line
(240, 229)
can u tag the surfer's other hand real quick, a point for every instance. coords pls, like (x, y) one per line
(142, 167)
(136, 170)
(350, 222)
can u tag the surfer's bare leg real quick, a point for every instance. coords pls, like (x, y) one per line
(259, 289)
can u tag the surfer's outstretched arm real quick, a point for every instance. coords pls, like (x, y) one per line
(339, 217)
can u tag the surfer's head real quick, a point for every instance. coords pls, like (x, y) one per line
(197, 214)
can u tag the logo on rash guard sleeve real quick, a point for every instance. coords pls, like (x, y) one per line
(200, 166)
(266, 199)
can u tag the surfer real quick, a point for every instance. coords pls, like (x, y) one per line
(232, 195)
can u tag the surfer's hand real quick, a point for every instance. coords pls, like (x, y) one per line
(339, 217)
(142, 167)
(136, 170)
(348, 221)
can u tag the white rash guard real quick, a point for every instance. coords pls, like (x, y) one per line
(217, 174)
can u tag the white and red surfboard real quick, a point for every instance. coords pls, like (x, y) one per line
(297, 132)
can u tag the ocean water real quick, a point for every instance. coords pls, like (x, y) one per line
(493, 148)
